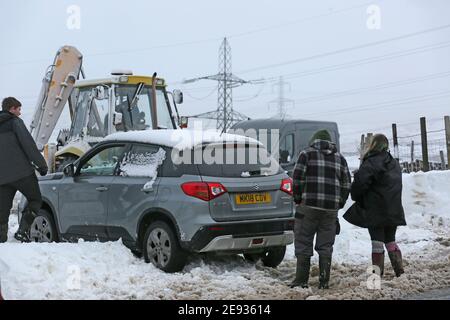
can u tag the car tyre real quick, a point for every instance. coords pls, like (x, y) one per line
(161, 248)
(274, 256)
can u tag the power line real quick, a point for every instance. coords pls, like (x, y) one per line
(122, 51)
(356, 63)
(387, 85)
(302, 20)
(384, 104)
(242, 99)
(203, 98)
(201, 41)
(389, 126)
(339, 51)
(323, 97)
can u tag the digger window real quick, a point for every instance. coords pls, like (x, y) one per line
(91, 115)
(97, 124)
(164, 118)
(82, 109)
(138, 116)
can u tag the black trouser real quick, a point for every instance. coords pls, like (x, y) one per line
(28, 186)
(383, 234)
(312, 222)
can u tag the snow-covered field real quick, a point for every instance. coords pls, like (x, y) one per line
(90, 270)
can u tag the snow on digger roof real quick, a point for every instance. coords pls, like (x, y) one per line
(180, 138)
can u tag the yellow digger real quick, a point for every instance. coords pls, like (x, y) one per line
(98, 107)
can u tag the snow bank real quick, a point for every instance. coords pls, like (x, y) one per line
(428, 199)
(92, 270)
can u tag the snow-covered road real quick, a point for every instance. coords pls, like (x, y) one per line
(91, 270)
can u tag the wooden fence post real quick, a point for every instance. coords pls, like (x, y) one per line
(362, 146)
(369, 139)
(447, 138)
(395, 139)
(441, 153)
(412, 151)
(423, 132)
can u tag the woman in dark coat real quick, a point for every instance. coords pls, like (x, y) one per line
(377, 191)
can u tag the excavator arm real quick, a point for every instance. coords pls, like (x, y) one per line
(56, 89)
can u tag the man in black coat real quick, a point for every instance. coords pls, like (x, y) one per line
(19, 157)
(377, 191)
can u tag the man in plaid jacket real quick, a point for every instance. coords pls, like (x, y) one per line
(321, 187)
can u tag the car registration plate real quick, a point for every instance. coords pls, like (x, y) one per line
(253, 198)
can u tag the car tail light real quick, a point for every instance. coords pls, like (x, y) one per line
(203, 190)
(216, 228)
(287, 186)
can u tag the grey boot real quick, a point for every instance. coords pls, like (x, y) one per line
(302, 272)
(397, 262)
(3, 232)
(378, 256)
(324, 271)
(378, 260)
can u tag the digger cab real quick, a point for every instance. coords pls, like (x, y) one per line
(122, 102)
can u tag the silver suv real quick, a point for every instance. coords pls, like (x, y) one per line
(131, 187)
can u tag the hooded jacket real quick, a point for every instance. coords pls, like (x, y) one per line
(377, 189)
(321, 177)
(19, 155)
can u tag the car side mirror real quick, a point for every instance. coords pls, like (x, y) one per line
(178, 96)
(69, 170)
(183, 122)
(100, 93)
(117, 118)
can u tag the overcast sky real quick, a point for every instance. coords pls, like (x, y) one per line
(336, 57)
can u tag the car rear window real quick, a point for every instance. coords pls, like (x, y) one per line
(238, 160)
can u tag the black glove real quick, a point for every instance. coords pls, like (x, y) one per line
(43, 172)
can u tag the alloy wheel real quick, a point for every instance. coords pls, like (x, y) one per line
(41, 230)
(159, 247)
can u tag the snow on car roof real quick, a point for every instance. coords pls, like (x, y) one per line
(179, 138)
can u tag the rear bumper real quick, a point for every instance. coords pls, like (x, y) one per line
(230, 243)
(242, 236)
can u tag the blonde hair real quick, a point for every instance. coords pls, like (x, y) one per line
(378, 143)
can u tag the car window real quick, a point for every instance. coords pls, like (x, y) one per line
(142, 161)
(103, 163)
(171, 169)
(245, 161)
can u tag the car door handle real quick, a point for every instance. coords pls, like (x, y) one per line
(101, 189)
(147, 190)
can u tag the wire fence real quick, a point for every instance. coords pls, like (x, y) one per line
(410, 151)
(411, 157)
